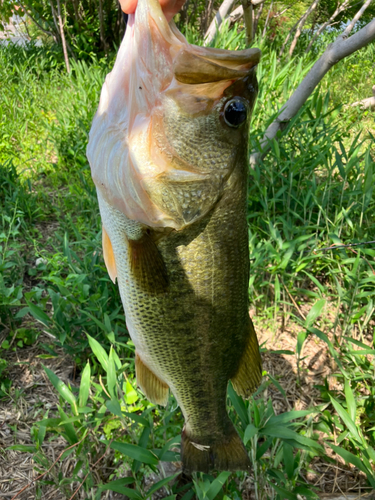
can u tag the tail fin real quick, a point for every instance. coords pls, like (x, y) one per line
(228, 454)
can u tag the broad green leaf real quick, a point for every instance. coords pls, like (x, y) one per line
(62, 389)
(111, 375)
(188, 495)
(116, 485)
(346, 419)
(239, 405)
(142, 443)
(285, 494)
(315, 312)
(70, 433)
(350, 401)
(99, 352)
(283, 418)
(131, 395)
(136, 452)
(217, 485)
(160, 484)
(250, 432)
(38, 314)
(114, 407)
(288, 460)
(287, 433)
(277, 384)
(137, 418)
(301, 337)
(352, 459)
(84, 387)
(23, 448)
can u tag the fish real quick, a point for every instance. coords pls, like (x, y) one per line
(168, 150)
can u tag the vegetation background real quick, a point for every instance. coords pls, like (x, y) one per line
(94, 435)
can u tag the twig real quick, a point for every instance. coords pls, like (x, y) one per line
(267, 19)
(47, 32)
(300, 25)
(334, 246)
(356, 17)
(63, 41)
(221, 14)
(294, 303)
(44, 473)
(339, 9)
(90, 469)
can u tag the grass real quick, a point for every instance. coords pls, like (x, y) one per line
(314, 189)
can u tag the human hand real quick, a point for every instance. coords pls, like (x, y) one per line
(170, 7)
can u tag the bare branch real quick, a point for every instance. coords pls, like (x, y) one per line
(300, 25)
(257, 17)
(61, 24)
(267, 19)
(47, 32)
(248, 20)
(339, 49)
(236, 14)
(339, 9)
(101, 27)
(356, 17)
(221, 14)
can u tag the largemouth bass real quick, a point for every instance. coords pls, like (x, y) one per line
(168, 154)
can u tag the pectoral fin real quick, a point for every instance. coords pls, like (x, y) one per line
(155, 390)
(147, 265)
(109, 256)
(249, 373)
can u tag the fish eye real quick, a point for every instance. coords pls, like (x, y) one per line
(235, 112)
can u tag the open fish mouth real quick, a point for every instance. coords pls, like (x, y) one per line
(126, 150)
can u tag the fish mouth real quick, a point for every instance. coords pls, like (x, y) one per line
(208, 65)
(193, 64)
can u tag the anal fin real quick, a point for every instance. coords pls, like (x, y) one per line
(147, 265)
(109, 256)
(249, 373)
(155, 390)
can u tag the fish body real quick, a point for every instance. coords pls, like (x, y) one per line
(168, 153)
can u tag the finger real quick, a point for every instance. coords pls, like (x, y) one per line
(170, 7)
(128, 6)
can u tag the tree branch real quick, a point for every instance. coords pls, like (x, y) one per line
(339, 9)
(61, 24)
(339, 49)
(248, 20)
(267, 19)
(47, 32)
(221, 14)
(300, 25)
(356, 17)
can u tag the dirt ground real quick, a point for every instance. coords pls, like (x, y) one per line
(32, 394)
